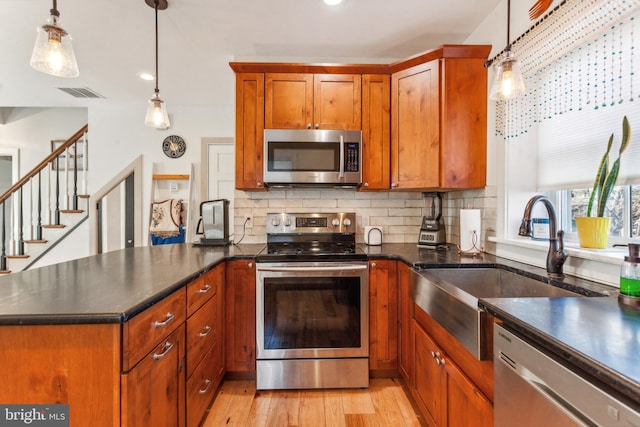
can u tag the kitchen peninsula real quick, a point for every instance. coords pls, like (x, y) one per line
(70, 329)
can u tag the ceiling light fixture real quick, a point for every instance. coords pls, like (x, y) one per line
(157, 115)
(53, 53)
(333, 2)
(508, 82)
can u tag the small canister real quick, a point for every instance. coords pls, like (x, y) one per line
(373, 235)
(630, 276)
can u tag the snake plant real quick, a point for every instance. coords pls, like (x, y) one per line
(605, 178)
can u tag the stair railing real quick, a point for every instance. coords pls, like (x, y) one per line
(65, 158)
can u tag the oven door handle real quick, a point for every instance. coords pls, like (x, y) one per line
(342, 267)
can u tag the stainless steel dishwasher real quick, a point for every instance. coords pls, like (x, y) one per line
(532, 389)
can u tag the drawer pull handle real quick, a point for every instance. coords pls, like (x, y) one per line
(206, 331)
(165, 350)
(206, 289)
(170, 317)
(207, 384)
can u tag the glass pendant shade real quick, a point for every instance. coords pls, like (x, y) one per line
(508, 82)
(53, 53)
(157, 115)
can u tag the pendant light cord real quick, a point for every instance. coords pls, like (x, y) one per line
(508, 48)
(156, 8)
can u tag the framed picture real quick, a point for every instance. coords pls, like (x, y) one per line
(77, 156)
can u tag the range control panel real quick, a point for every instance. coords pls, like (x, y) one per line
(287, 223)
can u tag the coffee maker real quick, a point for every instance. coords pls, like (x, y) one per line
(432, 231)
(214, 223)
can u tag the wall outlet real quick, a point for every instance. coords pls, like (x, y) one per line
(249, 222)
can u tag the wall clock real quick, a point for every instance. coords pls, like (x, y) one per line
(174, 146)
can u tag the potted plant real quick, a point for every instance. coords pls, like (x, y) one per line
(593, 232)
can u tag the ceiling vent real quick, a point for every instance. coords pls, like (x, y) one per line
(81, 92)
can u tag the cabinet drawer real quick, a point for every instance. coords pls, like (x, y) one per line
(201, 387)
(202, 332)
(203, 288)
(144, 331)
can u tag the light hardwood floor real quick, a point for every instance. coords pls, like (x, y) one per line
(384, 403)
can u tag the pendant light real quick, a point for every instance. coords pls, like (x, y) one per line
(508, 82)
(157, 115)
(53, 52)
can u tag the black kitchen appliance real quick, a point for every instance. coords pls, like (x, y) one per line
(432, 231)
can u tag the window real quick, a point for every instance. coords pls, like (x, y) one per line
(623, 208)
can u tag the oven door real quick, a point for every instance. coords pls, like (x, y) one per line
(312, 310)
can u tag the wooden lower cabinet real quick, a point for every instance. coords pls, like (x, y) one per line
(240, 317)
(443, 392)
(383, 316)
(78, 365)
(405, 316)
(153, 391)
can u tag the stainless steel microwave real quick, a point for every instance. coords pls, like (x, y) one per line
(312, 157)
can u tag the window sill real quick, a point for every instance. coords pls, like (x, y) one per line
(600, 265)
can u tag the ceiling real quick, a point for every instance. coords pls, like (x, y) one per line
(114, 41)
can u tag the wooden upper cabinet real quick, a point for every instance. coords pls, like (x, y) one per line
(249, 131)
(439, 120)
(312, 101)
(376, 133)
(415, 127)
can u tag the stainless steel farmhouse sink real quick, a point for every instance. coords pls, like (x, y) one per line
(450, 296)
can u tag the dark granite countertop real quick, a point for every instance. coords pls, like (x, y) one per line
(107, 288)
(593, 333)
(596, 335)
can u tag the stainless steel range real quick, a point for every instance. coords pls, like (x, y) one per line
(312, 304)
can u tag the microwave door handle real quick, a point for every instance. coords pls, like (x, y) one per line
(341, 174)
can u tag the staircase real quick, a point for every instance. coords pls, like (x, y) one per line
(45, 205)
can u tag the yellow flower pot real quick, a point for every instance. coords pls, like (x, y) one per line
(593, 232)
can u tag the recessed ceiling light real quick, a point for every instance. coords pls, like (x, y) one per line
(146, 76)
(333, 2)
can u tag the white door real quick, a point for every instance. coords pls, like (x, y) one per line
(220, 172)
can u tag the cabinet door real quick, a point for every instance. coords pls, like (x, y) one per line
(383, 315)
(249, 130)
(337, 101)
(466, 405)
(376, 132)
(153, 392)
(405, 309)
(428, 376)
(415, 127)
(240, 316)
(288, 101)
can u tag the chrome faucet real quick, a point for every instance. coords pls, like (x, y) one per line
(556, 255)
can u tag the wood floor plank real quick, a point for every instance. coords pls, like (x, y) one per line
(334, 409)
(384, 404)
(312, 412)
(357, 402)
(231, 406)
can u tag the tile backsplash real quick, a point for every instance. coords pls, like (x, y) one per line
(398, 213)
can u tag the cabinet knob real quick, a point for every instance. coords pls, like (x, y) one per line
(259, 184)
(308, 125)
(374, 265)
(250, 265)
(394, 185)
(366, 184)
(317, 126)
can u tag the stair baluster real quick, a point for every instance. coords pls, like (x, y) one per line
(57, 212)
(3, 257)
(75, 176)
(20, 223)
(39, 224)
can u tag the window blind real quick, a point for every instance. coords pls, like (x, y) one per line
(581, 82)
